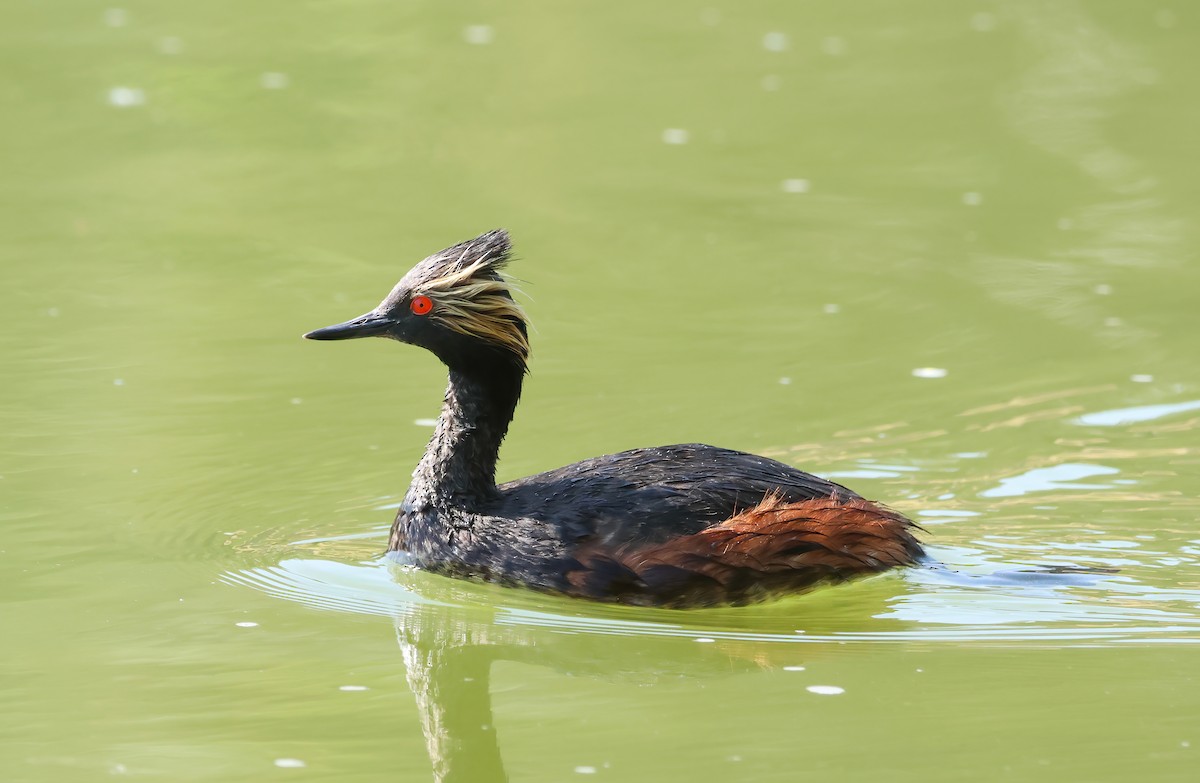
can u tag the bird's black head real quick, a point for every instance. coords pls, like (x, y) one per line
(454, 303)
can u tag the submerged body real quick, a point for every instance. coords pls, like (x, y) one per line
(681, 525)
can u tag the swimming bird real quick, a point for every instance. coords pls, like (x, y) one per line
(680, 526)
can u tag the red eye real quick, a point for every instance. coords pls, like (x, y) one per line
(421, 305)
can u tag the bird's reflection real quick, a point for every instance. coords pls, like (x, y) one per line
(449, 658)
(449, 648)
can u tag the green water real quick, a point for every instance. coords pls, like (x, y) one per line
(744, 224)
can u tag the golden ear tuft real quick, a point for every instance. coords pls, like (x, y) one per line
(474, 300)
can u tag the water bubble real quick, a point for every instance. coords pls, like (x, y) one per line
(246, 624)
(930, 372)
(793, 668)
(776, 42)
(785, 381)
(972, 199)
(983, 22)
(1140, 378)
(704, 640)
(273, 80)
(290, 763)
(795, 186)
(675, 136)
(825, 690)
(124, 97)
(834, 46)
(585, 770)
(297, 400)
(478, 34)
(349, 688)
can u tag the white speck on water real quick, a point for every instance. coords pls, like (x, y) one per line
(793, 668)
(983, 22)
(1164, 18)
(1113, 321)
(116, 17)
(771, 82)
(972, 198)
(675, 136)
(297, 400)
(118, 381)
(1142, 378)
(290, 763)
(704, 640)
(970, 454)
(795, 186)
(53, 312)
(920, 671)
(785, 381)
(834, 46)
(478, 34)
(124, 97)
(170, 45)
(776, 42)
(946, 496)
(930, 372)
(1104, 289)
(735, 759)
(1065, 224)
(118, 769)
(585, 770)
(1185, 744)
(274, 80)
(349, 688)
(134, 471)
(425, 422)
(831, 309)
(825, 690)
(246, 624)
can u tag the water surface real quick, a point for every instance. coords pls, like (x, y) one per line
(943, 253)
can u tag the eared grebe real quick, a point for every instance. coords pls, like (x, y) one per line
(684, 525)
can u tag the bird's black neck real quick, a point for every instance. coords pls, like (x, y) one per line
(460, 461)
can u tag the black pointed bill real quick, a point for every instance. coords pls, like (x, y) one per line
(369, 325)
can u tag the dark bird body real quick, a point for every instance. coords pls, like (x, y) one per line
(681, 525)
